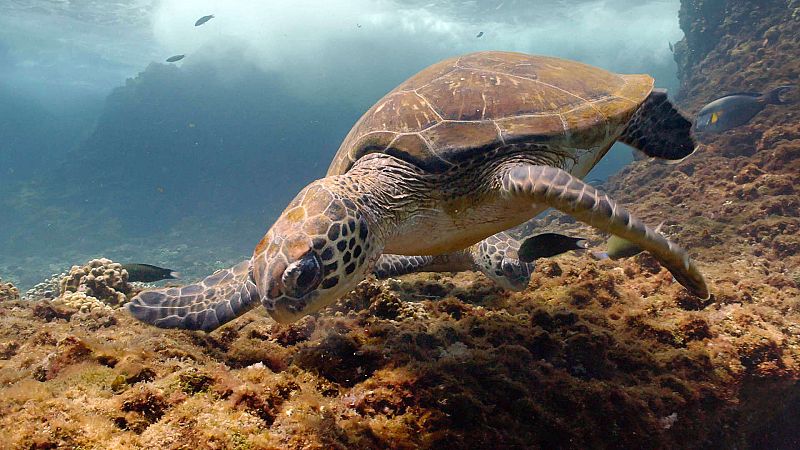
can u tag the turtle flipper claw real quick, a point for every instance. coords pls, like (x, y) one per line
(205, 305)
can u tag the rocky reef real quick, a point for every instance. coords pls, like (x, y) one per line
(594, 354)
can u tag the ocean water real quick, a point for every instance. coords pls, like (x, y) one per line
(108, 150)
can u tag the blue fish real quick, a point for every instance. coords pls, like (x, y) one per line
(736, 109)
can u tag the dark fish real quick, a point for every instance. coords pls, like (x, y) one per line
(546, 245)
(671, 48)
(621, 248)
(175, 58)
(148, 273)
(203, 20)
(736, 109)
(479, 34)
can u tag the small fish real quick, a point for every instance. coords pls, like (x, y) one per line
(148, 273)
(618, 248)
(671, 48)
(203, 20)
(546, 245)
(358, 25)
(736, 109)
(175, 58)
(479, 34)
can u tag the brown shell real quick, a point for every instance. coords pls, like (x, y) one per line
(482, 101)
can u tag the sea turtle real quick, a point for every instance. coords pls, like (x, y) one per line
(465, 149)
(495, 256)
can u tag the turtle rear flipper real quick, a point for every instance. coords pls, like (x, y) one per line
(396, 265)
(498, 258)
(659, 130)
(205, 305)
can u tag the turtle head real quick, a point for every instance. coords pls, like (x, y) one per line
(496, 256)
(318, 250)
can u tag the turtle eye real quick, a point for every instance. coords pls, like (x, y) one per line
(303, 275)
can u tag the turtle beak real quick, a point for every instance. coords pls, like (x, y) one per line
(287, 311)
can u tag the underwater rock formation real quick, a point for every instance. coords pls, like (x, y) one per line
(99, 279)
(735, 46)
(595, 354)
(8, 292)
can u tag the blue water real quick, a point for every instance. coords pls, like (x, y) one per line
(107, 150)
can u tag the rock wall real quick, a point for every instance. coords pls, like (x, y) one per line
(736, 45)
(736, 203)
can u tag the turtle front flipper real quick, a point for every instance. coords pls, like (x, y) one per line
(545, 185)
(659, 130)
(205, 305)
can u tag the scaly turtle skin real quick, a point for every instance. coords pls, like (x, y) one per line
(498, 257)
(495, 256)
(463, 150)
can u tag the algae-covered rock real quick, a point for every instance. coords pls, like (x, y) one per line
(101, 279)
(594, 354)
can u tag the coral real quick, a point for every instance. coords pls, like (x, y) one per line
(46, 289)
(101, 279)
(81, 301)
(8, 292)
